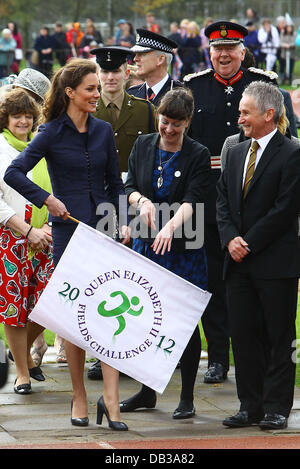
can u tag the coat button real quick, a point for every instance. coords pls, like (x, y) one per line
(228, 104)
(228, 124)
(140, 132)
(116, 134)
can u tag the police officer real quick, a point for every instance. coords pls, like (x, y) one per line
(153, 55)
(217, 93)
(128, 115)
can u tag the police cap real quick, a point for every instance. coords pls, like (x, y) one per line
(147, 41)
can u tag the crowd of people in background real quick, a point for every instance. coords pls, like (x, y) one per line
(201, 85)
(274, 46)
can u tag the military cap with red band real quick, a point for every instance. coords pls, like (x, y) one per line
(225, 32)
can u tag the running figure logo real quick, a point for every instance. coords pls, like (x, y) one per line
(118, 312)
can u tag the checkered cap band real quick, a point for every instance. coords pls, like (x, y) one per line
(153, 44)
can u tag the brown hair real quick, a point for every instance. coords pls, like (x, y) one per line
(18, 101)
(177, 104)
(70, 75)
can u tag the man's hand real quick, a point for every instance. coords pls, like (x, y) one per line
(238, 249)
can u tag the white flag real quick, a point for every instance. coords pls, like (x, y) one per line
(122, 308)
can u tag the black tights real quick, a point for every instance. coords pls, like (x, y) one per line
(189, 364)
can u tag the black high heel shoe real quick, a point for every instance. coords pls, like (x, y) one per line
(101, 409)
(80, 421)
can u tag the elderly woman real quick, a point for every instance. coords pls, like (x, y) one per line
(7, 52)
(25, 253)
(171, 167)
(84, 171)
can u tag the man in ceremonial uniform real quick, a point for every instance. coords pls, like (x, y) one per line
(153, 55)
(128, 115)
(217, 93)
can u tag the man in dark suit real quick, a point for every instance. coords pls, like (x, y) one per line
(153, 55)
(257, 207)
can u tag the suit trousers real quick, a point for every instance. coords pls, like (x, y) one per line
(262, 314)
(215, 317)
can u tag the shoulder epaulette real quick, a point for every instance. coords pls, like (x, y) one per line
(259, 71)
(197, 74)
(136, 98)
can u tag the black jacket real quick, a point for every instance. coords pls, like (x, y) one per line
(140, 91)
(267, 217)
(190, 186)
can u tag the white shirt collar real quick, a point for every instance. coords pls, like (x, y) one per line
(263, 141)
(158, 86)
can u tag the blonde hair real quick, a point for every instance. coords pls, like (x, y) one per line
(283, 122)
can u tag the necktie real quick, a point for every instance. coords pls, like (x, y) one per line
(250, 167)
(112, 111)
(150, 94)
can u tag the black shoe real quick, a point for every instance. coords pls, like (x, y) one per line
(95, 372)
(185, 410)
(241, 419)
(23, 388)
(79, 421)
(139, 400)
(216, 373)
(273, 421)
(36, 373)
(101, 409)
(3, 365)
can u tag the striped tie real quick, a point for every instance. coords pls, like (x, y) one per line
(250, 167)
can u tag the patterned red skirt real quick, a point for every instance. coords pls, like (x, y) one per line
(22, 280)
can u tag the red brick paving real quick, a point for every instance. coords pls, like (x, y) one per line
(263, 442)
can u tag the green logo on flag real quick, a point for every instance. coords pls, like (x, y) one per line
(118, 312)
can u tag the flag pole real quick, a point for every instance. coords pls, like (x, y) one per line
(73, 219)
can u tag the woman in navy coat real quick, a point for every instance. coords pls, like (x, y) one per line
(83, 166)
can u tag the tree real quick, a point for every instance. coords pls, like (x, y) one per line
(145, 6)
(6, 8)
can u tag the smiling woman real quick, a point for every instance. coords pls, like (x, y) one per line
(84, 170)
(25, 239)
(166, 168)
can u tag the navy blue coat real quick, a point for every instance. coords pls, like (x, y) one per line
(83, 173)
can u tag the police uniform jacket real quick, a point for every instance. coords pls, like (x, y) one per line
(137, 117)
(140, 91)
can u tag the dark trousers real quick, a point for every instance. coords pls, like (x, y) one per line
(215, 318)
(262, 316)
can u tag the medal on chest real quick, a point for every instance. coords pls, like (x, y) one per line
(228, 90)
(228, 83)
